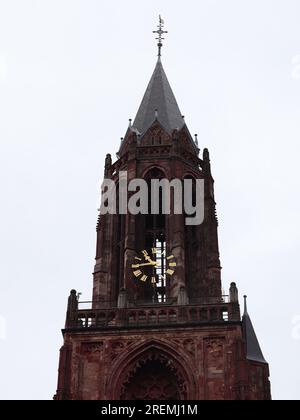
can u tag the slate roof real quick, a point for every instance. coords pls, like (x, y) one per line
(253, 348)
(158, 96)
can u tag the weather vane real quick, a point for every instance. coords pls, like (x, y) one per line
(160, 31)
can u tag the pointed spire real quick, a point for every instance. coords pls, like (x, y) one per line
(234, 293)
(108, 163)
(245, 305)
(254, 352)
(158, 103)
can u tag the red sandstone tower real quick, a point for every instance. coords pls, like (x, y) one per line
(166, 337)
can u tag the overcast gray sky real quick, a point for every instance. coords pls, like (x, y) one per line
(71, 74)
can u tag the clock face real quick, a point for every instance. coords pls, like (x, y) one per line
(153, 266)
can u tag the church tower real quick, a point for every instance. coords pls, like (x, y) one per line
(159, 327)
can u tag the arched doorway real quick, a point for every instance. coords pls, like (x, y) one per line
(154, 370)
(153, 380)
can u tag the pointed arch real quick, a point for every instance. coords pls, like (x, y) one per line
(149, 171)
(155, 351)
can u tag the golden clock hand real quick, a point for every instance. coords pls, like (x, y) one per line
(151, 261)
(143, 265)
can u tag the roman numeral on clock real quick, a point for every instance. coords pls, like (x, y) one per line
(137, 273)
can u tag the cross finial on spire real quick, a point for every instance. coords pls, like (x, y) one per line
(160, 31)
